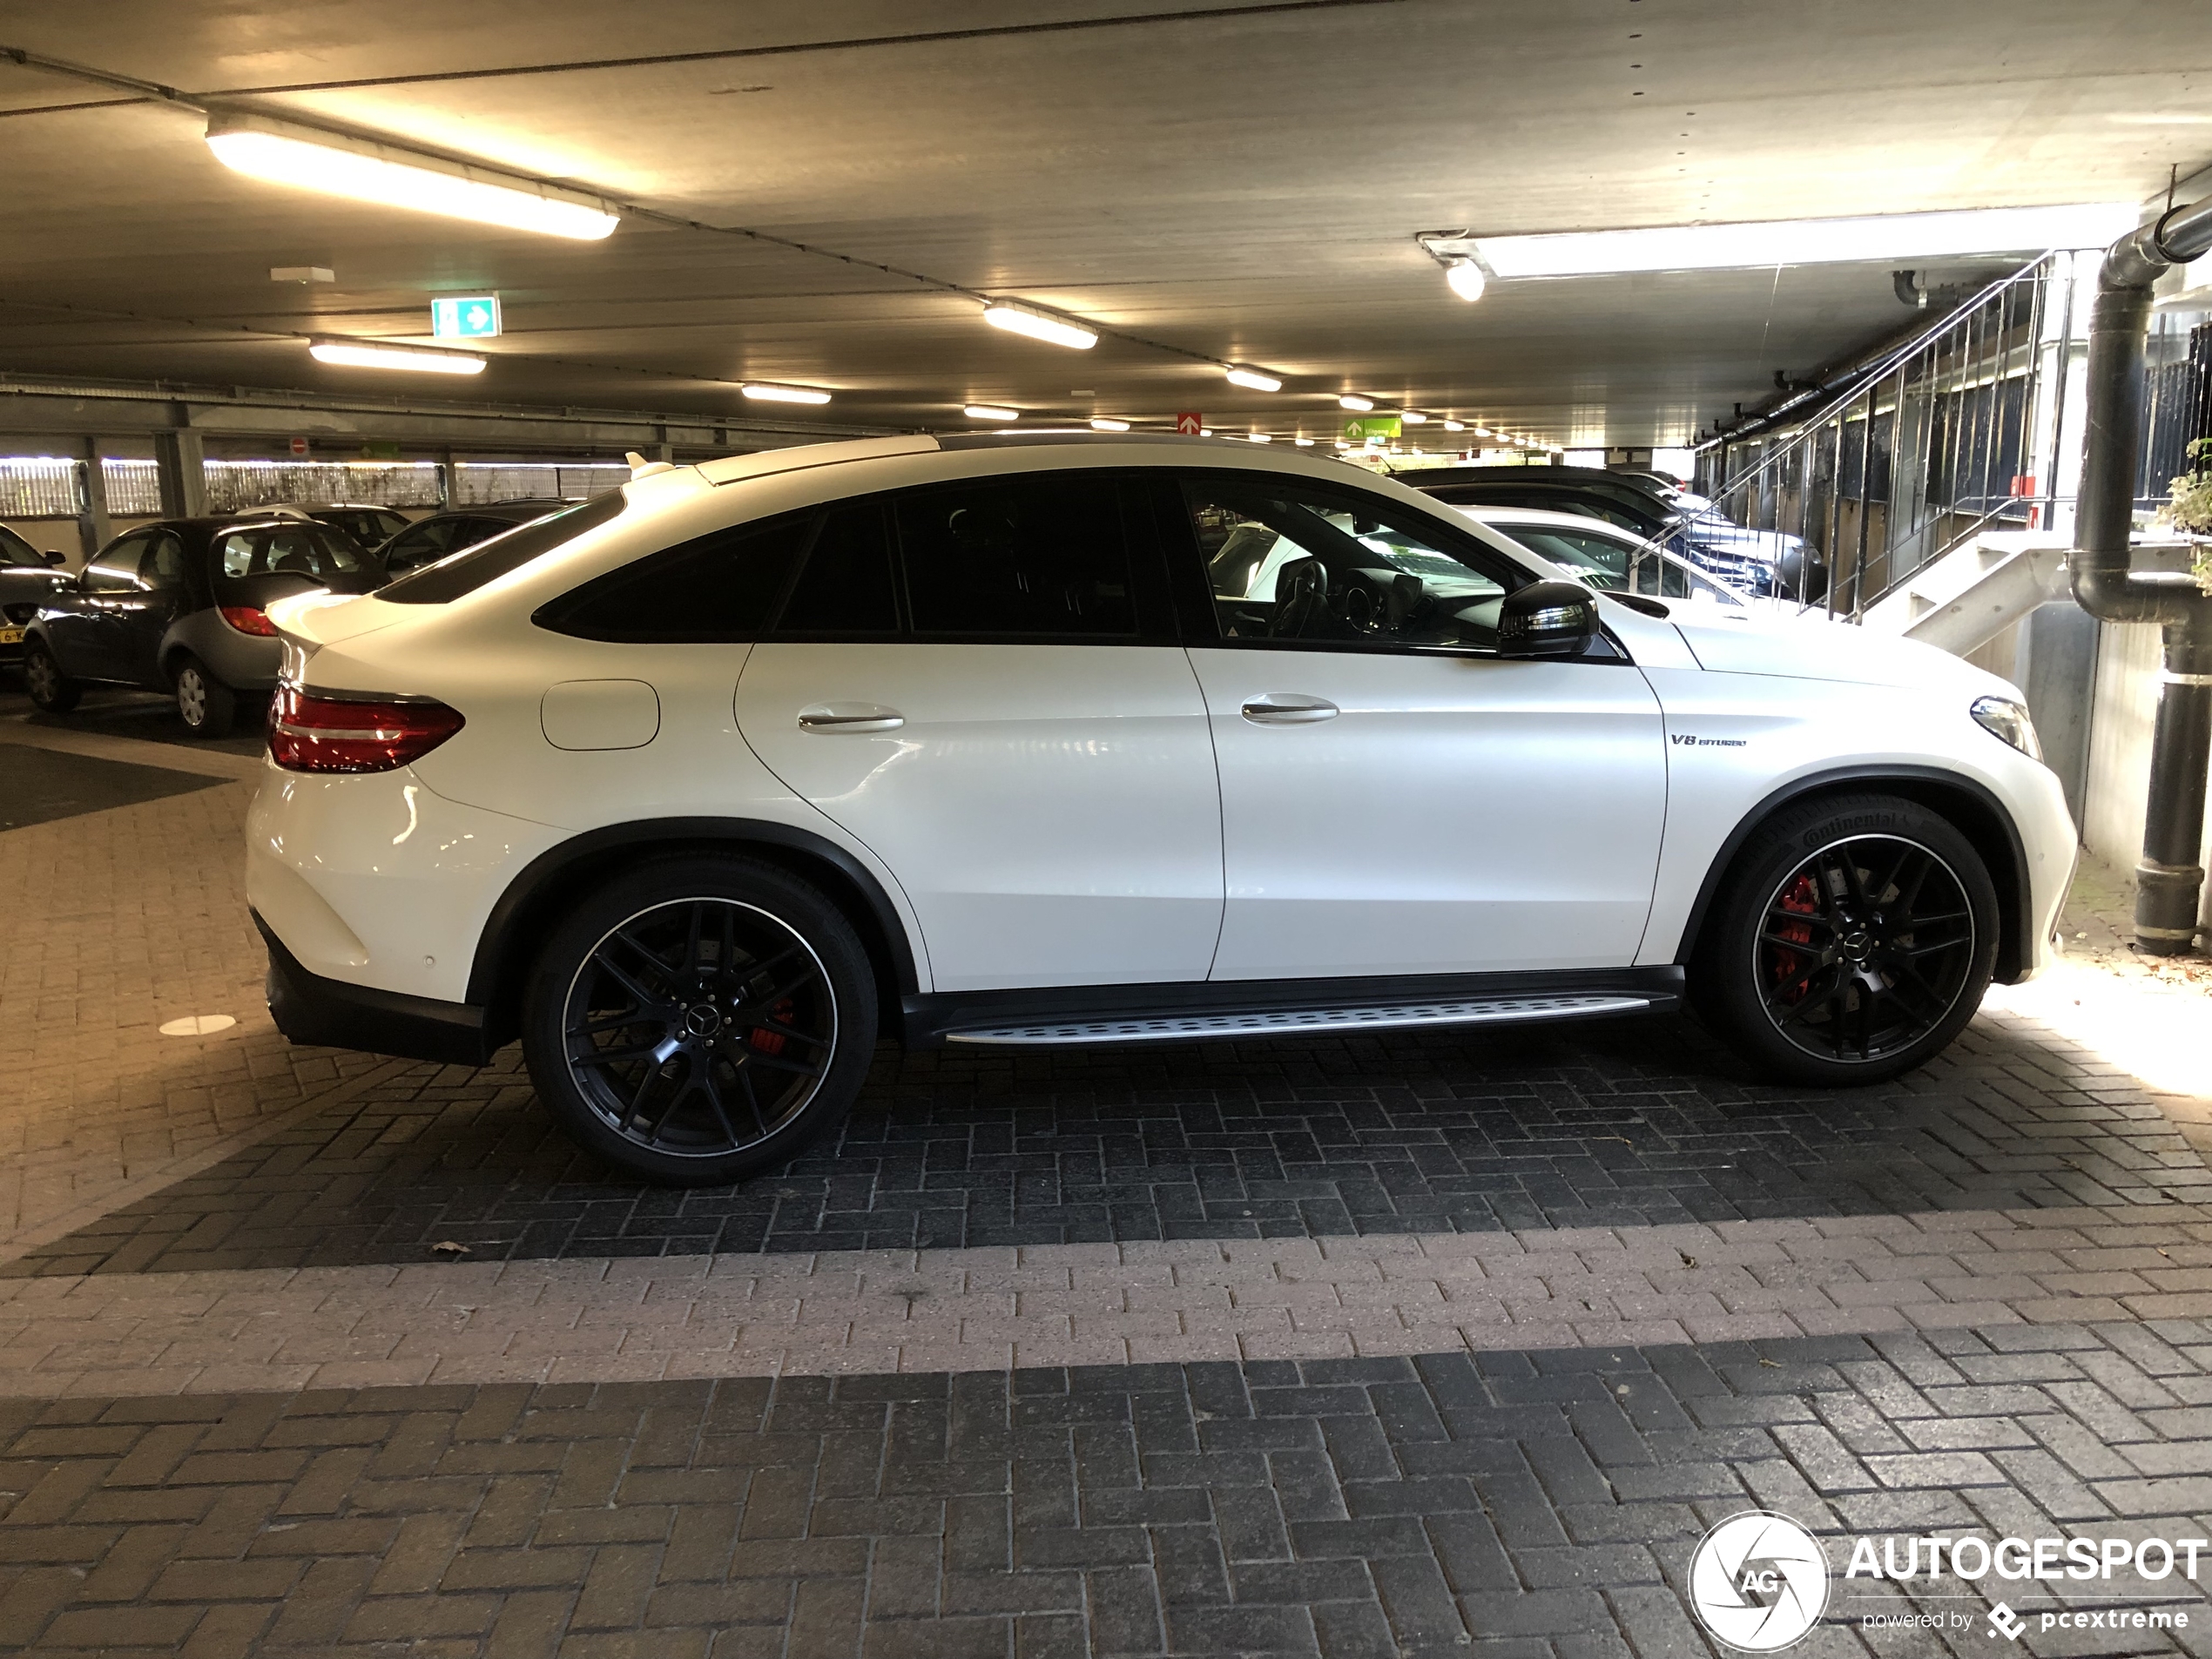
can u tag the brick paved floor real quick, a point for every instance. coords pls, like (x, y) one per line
(1426, 1344)
(1521, 1505)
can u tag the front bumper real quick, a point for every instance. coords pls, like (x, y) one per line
(331, 1014)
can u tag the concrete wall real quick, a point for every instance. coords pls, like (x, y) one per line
(2126, 701)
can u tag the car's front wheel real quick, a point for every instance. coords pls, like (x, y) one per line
(208, 707)
(51, 691)
(1853, 941)
(700, 1020)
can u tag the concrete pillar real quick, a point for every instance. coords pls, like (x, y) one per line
(448, 481)
(2060, 641)
(94, 527)
(180, 463)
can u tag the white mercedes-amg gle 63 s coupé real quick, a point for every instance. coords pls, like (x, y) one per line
(701, 785)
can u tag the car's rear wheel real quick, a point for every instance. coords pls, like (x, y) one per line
(1854, 940)
(700, 1020)
(208, 707)
(51, 691)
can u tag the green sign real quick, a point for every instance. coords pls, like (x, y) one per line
(465, 317)
(1360, 427)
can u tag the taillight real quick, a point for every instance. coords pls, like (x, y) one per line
(247, 620)
(311, 733)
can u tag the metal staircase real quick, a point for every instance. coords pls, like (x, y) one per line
(1925, 480)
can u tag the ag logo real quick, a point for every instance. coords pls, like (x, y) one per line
(1759, 1582)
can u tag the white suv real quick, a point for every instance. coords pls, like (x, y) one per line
(699, 786)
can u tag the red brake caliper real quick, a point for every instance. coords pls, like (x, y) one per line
(769, 1042)
(1802, 900)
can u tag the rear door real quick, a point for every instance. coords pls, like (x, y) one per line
(1396, 798)
(982, 683)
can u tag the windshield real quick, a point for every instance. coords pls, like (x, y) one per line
(464, 572)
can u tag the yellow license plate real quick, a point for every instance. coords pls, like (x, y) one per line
(10, 636)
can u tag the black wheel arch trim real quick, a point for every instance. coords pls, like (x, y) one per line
(495, 975)
(2017, 917)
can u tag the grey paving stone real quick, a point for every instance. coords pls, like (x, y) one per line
(1376, 1135)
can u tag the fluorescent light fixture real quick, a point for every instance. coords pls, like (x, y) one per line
(1303, 443)
(1800, 241)
(990, 412)
(367, 170)
(1039, 325)
(1261, 437)
(1356, 403)
(302, 274)
(1484, 432)
(362, 353)
(1455, 426)
(768, 393)
(1206, 432)
(1466, 279)
(1239, 375)
(1413, 417)
(1107, 423)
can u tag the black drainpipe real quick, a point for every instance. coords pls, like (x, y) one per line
(2169, 879)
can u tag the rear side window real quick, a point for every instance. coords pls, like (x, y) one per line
(848, 588)
(718, 588)
(464, 572)
(1038, 557)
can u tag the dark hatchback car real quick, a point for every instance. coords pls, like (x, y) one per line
(429, 540)
(181, 606)
(26, 577)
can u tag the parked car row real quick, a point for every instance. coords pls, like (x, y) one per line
(1762, 563)
(182, 605)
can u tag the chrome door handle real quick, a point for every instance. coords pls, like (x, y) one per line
(1281, 708)
(850, 717)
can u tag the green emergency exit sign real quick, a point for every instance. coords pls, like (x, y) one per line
(465, 316)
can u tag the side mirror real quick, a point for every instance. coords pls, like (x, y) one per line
(53, 556)
(1547, 619)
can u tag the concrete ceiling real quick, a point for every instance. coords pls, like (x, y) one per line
(1233, 182)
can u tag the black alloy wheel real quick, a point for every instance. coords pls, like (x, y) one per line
(1866, 946)
(51, 691)
(1854, 941)
(701, 1019)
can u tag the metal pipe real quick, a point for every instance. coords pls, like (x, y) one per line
(2168, 880)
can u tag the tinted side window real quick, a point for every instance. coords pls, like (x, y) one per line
(1040, 556)
(719, 587)
(846, 589)
(116, 569)
(1290, 563)
(430, 540)
(162, 567)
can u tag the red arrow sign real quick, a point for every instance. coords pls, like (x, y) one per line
(1189, 424)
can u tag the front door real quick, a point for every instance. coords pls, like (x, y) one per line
(82, 623)
(140, 615)
(980, 681)
(1396, 799)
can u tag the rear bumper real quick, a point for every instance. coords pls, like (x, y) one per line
(331, 1014)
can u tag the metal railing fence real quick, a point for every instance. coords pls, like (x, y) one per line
(1961, 428)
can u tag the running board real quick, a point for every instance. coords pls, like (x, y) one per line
(1488, 1010)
